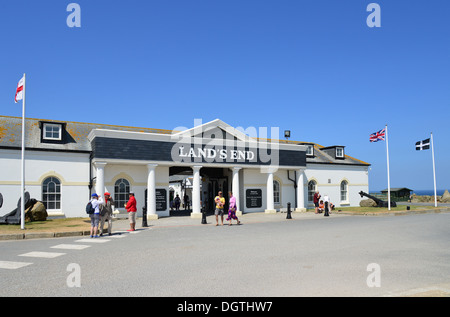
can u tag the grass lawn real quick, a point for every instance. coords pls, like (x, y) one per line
(380, 210)
(50, 225)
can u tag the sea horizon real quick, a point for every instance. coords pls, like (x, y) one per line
(422, 192)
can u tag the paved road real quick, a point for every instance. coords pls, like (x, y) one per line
(268, 255)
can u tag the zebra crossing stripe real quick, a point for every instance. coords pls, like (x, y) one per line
(37, 254)
(70, 246)
(92, 240)
(10, 265)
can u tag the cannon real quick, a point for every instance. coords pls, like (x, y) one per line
(14, 217)
(379, 202)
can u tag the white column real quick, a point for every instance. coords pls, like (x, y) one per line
(269, 193)
(100, 178)
(151, 192)
(235, 189)
(300, 191)
(196, 206)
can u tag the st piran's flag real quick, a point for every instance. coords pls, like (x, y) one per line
(423, 145)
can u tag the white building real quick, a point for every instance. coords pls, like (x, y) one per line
(67, 161)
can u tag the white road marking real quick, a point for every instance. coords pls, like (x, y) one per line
(9, 265)
(93, 240)
(37, 254)
(71, 246)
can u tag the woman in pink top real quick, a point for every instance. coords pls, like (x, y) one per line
(232, 209)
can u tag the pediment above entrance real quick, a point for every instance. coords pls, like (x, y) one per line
(216, 129)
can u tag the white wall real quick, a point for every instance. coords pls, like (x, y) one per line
(137, 177)
(72, 169)
(329, 178)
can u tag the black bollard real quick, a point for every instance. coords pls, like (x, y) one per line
(288, 211)
(144, 217)
(203, 216)
(326, 209)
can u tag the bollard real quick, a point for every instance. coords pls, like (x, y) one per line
(144, 217)
(203, 216)
(326, 209)
(288, 211)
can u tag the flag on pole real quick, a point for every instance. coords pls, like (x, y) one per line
(423, 145)
(382, 135)
(19, 90)
(378, 136)
(20, 95)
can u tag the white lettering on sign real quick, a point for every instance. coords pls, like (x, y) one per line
(214, 154)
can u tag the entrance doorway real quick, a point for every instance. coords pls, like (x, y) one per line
(212, 181)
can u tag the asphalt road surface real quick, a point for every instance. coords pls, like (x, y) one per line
(310, 255)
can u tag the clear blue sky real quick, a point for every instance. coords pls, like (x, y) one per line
(313, 67)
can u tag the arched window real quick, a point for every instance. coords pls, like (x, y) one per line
(276, 192)
(121, 192)
(344, 191)
(312, 187)
(51, 193)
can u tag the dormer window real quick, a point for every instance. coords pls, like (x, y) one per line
(52, 131)
(309, 149)
(339, 152)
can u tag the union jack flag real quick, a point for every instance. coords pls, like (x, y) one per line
(378, 136)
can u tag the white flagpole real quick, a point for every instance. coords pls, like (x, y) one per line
(434, 170)
(22, 207)
(387, 157)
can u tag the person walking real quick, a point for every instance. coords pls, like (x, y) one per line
(106, 212)
(232, 209)
(220, 202)
(131, 209)
(96, 202)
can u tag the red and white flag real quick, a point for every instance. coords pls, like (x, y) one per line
(19, 91)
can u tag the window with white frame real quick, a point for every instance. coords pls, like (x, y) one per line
(310, 150)
(52, 131)
(312, 187)
(51, 193)
(276, 192)
(344, 191)
(340, 152)
(121, 192)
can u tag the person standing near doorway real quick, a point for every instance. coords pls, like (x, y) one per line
(187, 204)
(220, 202)
(131, 209)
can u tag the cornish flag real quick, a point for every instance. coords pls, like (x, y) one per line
(423, 145)
(378, 136)
(19, 91)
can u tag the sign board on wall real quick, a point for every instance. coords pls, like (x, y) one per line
(253, 198)
(161, 199)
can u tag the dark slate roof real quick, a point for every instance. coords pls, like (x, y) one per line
(75, 138)
(322, 157)
(77, 132)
